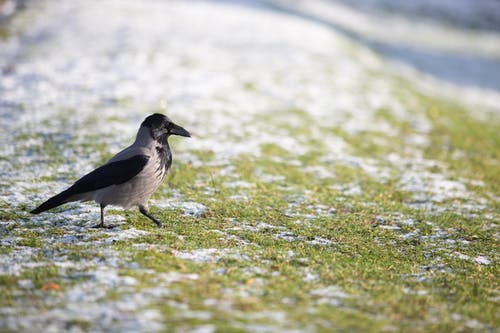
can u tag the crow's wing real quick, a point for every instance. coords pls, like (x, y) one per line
(112, 173)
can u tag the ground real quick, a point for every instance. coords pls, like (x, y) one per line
(322, 189)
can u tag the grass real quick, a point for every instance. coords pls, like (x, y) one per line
(365, 276)
(347, 252)
(323, 226)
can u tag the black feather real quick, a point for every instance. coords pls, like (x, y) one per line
(165, 156)
(155, 120)
(113, 173)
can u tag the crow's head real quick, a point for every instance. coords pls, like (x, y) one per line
(161, 126)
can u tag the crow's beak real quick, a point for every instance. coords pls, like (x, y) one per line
(177, 130)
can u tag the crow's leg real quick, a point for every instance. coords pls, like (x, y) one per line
(101, 225)
(144, 210)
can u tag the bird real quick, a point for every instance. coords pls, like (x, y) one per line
(130, 177)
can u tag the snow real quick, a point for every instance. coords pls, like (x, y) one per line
(331, 295)
(74, 72)
(201, 255)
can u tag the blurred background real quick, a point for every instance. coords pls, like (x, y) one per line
(350, 146)
(453, 44)
(225, 68)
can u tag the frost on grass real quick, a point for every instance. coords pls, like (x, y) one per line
(291, 237)
(87, 301)
(331, 295)
(210, 255)
(189, 208)
(73, 91)
(92, 273)
(480, 260)
(119, 235)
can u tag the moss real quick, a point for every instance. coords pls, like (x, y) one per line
(83, 325)
(31, 239)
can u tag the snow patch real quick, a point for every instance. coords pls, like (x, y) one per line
(331, 295)
(210, 255)
(190, 208)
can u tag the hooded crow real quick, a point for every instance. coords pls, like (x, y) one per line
(131, 176)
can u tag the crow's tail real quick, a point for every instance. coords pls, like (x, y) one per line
(55, 201)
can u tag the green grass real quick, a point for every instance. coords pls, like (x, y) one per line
(391, 280)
